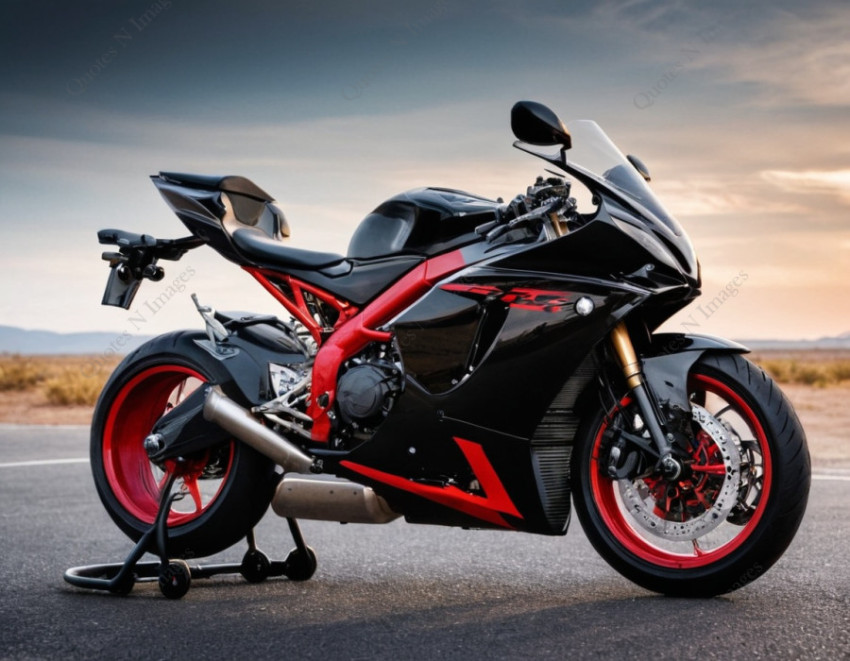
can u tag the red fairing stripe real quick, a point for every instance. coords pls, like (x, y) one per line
(359, 331)
(487, 508)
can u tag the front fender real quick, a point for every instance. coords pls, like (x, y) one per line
(668, 360)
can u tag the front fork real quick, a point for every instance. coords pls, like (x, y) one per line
(623, 347)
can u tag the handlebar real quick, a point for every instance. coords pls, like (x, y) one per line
(547, 201)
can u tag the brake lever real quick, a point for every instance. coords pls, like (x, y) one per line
(496, 232)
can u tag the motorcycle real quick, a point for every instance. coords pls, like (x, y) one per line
(468, 363)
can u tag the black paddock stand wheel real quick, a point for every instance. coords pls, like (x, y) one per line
(255, 567)
(175, 579)
(300, 564)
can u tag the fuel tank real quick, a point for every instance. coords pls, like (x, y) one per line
(423, 221)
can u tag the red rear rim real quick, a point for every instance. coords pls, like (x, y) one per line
(738, 417)
(134, 480)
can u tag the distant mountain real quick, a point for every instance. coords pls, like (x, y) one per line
(825, 343)
(19, 340)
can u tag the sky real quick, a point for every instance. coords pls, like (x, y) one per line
(740, 110)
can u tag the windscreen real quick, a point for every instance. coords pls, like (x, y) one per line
(593, 151)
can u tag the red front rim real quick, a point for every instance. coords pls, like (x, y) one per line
(729, 407)
(134, 480)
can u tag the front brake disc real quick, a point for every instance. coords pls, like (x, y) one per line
(642, 501)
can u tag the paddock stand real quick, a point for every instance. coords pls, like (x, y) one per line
(175, 575)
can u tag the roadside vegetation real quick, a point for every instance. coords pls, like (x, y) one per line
(809, 370)
(61, 380)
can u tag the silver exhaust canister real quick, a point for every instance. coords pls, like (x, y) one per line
(228, 415)
(329, 499)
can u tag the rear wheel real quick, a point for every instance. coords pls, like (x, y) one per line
(731, 512)
(226, 489)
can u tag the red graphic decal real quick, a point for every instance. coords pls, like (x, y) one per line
(541, 300)
(489, 507)
(475, 290)
(537, 299)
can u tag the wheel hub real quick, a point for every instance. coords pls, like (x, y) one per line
(699, 499)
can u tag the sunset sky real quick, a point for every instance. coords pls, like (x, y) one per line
(741, 110)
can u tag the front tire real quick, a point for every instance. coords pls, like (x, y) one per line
(659, 533)
(228, 488)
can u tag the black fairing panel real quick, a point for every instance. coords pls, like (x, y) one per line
(602, 251)
(518, 361)
(426, 221)
(436, 339)
(595, 250)
(202, 211)
(526, 347)
(228, 184)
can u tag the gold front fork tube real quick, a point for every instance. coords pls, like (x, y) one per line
(634, 379)
(626, 353)
(556, 224)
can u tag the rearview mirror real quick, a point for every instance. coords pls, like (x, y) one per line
(535, 124)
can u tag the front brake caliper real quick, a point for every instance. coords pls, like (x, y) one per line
(622, 460)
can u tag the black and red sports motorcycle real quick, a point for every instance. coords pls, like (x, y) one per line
(467, 363)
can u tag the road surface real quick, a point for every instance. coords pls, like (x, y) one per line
(396, 591)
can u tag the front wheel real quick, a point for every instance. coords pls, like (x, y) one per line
(734, 508)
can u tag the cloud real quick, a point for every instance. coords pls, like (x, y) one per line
(821, 182)
(715, 197)
(779, 54)
(788, 58)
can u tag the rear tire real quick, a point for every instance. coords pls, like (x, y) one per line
(229, 487)
(650, 529)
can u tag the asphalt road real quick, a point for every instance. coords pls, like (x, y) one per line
(395, 591)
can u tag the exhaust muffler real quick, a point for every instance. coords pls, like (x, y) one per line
(324, 498)
(228, 415)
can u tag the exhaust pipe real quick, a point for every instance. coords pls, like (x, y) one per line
(231, 417)
(298, 496)
(329, 499)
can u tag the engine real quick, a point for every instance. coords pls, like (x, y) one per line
(366, 390)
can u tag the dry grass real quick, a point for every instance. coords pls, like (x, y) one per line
(55, 380)
(71, 387)
(19, 373)
(810, 368)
